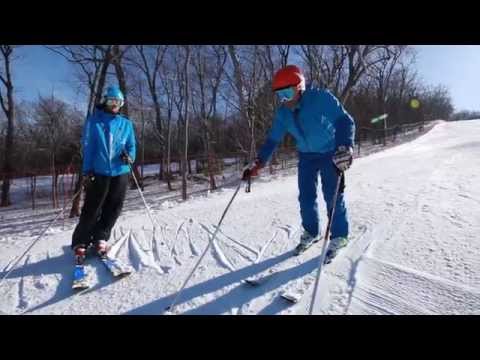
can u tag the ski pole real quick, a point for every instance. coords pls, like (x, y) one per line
(38, 238)
(325, 243)
(154, 222)
(152, 219)
(171, 307)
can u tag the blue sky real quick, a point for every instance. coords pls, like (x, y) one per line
(456, 66)
(39, 71)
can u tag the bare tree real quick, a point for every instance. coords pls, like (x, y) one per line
(359, 59)
(8, 106)
(52, 124)
(239, 85)
(382, 72)
(284, 51)
(93, 62)
(251, 68)
(186, 118)
(169, 89)
(149, 60)
(340, 67)
(208, 80)
(117, 60)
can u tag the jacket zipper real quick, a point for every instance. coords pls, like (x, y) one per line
(300, 128)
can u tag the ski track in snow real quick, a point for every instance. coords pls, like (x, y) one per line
(221, 257)
(193, 248)
(142, 257)
(386, 288)
(229, 242)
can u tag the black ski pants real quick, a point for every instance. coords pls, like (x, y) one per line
(102, 207)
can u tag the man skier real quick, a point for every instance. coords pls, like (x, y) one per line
(324, 134)
(108, 148)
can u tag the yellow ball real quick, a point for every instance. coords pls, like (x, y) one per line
(414, 103)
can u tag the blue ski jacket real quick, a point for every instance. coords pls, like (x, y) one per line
(319, 124)
(105, 137)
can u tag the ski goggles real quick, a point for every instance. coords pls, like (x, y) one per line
(114, 102)
(285, 94)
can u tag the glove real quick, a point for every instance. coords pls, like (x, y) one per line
(252, 169)
(88, 179)
(126, 159)
(343, 157)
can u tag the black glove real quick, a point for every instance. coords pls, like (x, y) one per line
(343, 157)
(126, 159)
(88, 178)
(251, 170)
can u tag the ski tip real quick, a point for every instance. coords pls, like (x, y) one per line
(251, 282)
(298, 252)
(168, 311)
(80, 287)
(290, 298)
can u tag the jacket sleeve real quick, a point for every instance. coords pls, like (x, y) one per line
(343, 123)
(274, 138)
(88, 146)
(130, 145)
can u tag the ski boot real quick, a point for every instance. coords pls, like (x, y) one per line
(335, 245)
(101, 248)
(80, 280)
(80, 252)
(306, 240)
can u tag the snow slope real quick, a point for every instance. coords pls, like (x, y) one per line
(414, 214)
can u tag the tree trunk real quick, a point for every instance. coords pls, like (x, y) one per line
(103, 76)
(9, 110)
(210, 161)
(75, 211)
(239, 86)
(158, 124)
(161, 173)
(33, 188)
(54, 181)
(185, 153)
(169, 136)
(117, 62)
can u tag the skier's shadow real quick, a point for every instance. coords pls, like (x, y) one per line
(61, 266)
(236, 297)
(239, 296)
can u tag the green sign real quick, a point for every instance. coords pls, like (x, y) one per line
(379, 118)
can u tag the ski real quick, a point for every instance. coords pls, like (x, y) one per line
(292, 296)
(116, 267)
(80, 278)
(266, 275)
(300, 249)
(258, 280)
(295, 295)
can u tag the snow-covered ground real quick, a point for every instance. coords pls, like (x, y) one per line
(414, 211)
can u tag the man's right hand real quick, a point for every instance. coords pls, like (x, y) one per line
(88, 178)
(126, 159)
(251, 170)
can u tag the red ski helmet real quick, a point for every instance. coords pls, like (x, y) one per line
(290, 75)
